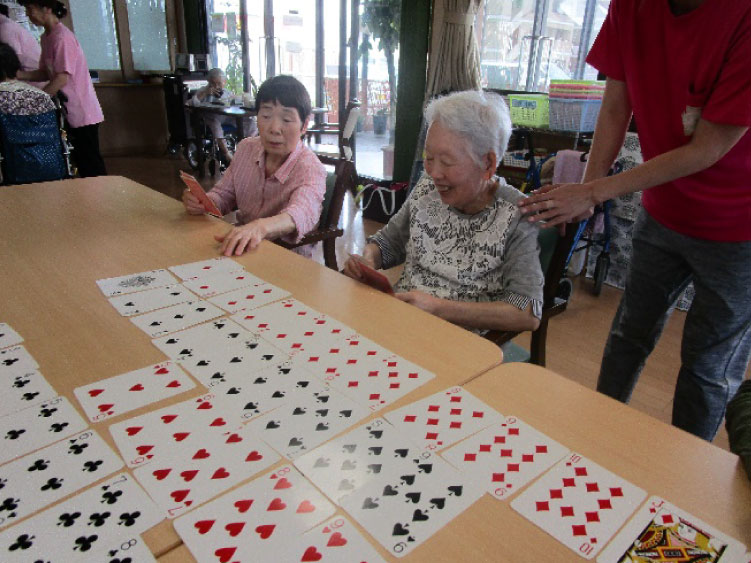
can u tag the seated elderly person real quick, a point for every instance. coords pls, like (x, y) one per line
(16, 97)
(468, 256)
(275, 182)
(216, 93)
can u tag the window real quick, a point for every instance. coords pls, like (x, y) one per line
(94, 23)
(147, 21)
(524, 44)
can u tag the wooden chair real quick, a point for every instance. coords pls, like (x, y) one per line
(338, 182)
(331, 154)
(554, 252)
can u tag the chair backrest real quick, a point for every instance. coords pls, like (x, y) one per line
(345, 133)
(338, 182)
(554, 254)
(32, 148)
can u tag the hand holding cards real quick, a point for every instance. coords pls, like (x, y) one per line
(196, 189)
(371, 277)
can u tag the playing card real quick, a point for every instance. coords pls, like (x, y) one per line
(362, 370)
(32, 482)
(24, 390)
(661, 532)
(244, 398)
(335, 540)
(204, 268)
(247, 298)
(16, 360)
(204, 337)
(151, 300)
(8, 336)
(367, 453)
(295, 428)
(197, 190)
(82, 526)
(177, 317)
(203, 467)
(375, 279)
(255, 518)
(505, 456)
(443, 419)
(579, 503)
(403, 510)
(132, 390)
(38, 426)
(234, 363)
(222, 282)
(142, 438)
(125, 549)
(135, 282)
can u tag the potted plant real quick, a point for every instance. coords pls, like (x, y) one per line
(380, 121)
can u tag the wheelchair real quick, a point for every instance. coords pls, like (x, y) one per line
(210, 148)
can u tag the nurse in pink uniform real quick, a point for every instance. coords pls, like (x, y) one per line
(64, 65)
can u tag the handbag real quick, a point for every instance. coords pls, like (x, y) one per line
(381, 202)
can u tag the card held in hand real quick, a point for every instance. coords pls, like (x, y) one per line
(199, 193)
(579, 503)
(661, 532)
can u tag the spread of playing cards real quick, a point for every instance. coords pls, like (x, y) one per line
(267, 430)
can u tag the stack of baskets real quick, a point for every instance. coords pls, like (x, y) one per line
(575, 104)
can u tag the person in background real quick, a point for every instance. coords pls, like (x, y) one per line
(690, 93)
(63, 64)
(20, 40)
(738, 424)
(216, 92)
(275, 182)
(468, 256)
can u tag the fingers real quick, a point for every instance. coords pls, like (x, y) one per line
(191, 204)
(352, 268)
(238, 241)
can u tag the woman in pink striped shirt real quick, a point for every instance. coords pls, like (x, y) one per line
(275, 182)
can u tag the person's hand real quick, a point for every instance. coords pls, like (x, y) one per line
(419, 299)
(352, 266)
(559, 204)
(191, 203)
(241, 239)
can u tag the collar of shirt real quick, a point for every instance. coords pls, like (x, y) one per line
(284, 170)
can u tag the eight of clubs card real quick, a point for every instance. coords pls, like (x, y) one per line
(662, 533)
(505, 456)
(579, 503)
(129, 391)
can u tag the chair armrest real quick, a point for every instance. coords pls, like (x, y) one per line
(499, 337)
(311, 237)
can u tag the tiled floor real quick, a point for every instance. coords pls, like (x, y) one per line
(575, 339)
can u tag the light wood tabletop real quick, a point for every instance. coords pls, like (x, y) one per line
(688, 472)
(58, 238)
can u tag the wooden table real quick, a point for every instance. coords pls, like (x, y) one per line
(663, 460)
(58, 238)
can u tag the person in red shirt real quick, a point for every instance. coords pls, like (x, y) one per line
(682, 69)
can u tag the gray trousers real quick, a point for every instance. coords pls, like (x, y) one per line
(716, 344)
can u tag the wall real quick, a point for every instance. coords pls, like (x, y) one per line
(135, 121)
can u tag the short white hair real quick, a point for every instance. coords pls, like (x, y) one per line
(482, 118)
(216, 73)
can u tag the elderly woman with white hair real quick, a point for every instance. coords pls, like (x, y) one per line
(468, 256)
(216, 93)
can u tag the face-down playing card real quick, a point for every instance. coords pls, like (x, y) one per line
(90, 523)
(8, 336)
(131, 283)
(252, 522)
(662, 533)
(505, 456)
(202, 467)
(34, 481)
(35, 427)
(314, 417)
(23, 390)
(444, 418)
(132, 390)
(579, 503)
(177, 317)
(334, 540)
(205, 337)
(402, 510)
(363, 370)
(367, 453)
(203, 268)
(151, 300)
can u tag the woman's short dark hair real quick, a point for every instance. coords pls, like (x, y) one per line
(287, 91)
(9, 63)
(57, 7)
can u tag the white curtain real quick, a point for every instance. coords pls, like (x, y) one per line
(455, 62)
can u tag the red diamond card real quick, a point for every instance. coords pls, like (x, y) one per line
(580, 504)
